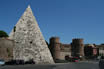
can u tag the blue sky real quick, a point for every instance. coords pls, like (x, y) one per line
(66, 19)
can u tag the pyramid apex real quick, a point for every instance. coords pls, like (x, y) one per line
(28, 6)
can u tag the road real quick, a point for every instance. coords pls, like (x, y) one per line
(78, 65)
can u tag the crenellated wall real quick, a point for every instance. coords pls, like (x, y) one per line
(6, 49)
(59, 50)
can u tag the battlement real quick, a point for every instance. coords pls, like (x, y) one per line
(54, 40)
(77, 41)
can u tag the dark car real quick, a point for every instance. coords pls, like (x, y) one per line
(101, 64)
(72, 59)
(31, 61)
(15, 62)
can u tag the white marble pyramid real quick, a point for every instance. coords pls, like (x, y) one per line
(29, 41)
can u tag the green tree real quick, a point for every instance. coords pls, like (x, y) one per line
(3, 34)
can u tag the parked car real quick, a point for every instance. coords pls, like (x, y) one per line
(72, 59)
(101, 64)
(75, 59)
(2, 62)
(15, 62)
(31, 61)
(19, 62)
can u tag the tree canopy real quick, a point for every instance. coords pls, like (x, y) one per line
(3, 34)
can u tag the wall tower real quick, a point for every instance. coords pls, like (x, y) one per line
(77, 48)
(55, 47)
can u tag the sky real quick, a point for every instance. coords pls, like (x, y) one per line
(66, 19)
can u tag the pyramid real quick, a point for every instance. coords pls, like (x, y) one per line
(29, 41)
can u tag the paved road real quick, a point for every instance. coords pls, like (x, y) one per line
(79, 65)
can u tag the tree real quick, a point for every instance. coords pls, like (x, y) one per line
(3, 34)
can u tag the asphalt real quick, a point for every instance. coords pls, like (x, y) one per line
(78, 65)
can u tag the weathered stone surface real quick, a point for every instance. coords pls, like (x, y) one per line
(29, 42)
(6, 49)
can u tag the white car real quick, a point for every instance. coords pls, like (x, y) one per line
(2, 62)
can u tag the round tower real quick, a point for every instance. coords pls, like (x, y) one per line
(77, 48)
(55, 47)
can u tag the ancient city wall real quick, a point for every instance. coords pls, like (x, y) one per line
(6, 49)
